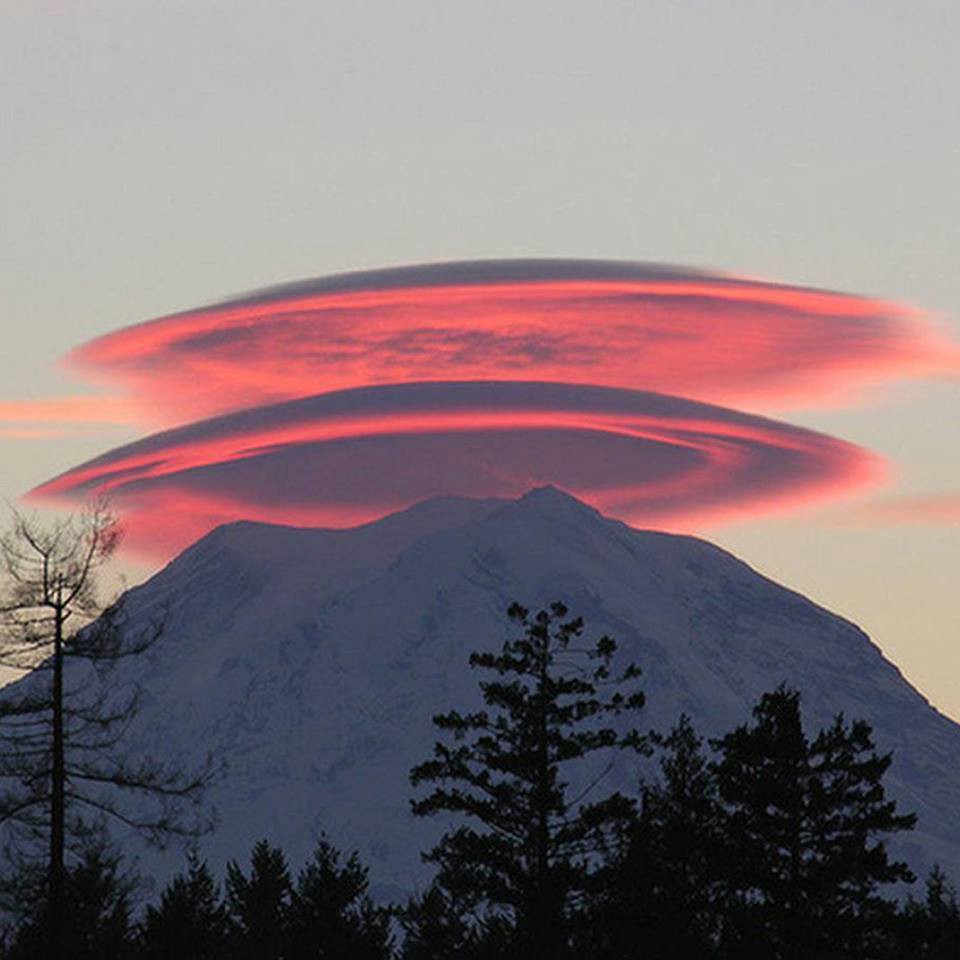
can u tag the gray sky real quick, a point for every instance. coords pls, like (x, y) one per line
(158, 155)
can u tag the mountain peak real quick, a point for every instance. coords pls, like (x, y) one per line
(552, 500)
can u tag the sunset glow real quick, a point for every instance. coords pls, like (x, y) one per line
(336, 401)
(636, 326)
(343, 458)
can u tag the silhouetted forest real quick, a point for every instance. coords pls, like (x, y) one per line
(767, 842)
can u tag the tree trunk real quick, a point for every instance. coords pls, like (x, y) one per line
(544, 923)
(57, 788)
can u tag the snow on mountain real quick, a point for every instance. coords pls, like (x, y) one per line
(312, 661)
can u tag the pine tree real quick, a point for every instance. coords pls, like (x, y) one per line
(806, 826)
(259, 904)
(331, 915)
(943, 913)
(62, 766)
(665, 890)
(930, 929)
(190, 922)
(445, 921)
(524, 859)
(98, 906)
(435, 926)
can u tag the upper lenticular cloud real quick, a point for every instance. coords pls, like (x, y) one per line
(348, 457)
(702, 335)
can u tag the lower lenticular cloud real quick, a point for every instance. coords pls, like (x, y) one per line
(344, 458)
(334, 401)
(707, 336)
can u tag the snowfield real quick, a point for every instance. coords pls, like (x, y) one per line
(310, 662)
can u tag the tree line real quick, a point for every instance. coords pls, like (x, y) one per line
(766, 842)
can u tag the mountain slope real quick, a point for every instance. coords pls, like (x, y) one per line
(311, 661)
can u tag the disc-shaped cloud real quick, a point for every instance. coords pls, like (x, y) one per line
(636, 326)
(343, 458)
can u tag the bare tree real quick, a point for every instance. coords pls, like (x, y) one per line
(62, 766)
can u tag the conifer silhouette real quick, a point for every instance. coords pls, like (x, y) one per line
(190, 922)
(665, 889)
(806, 825)
(259, 904)
(331, 913)
(523, 860)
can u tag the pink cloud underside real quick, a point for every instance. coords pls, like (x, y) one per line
(334, 401)
(340, 459)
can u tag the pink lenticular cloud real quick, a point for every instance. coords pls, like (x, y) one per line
(342, 458)
(706, 336)
(344, 398)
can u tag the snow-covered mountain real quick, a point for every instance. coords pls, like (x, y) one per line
(312, 661)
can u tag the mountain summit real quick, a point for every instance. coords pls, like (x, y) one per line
(311, 662)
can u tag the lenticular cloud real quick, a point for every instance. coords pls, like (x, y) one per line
(358, 454)
(334, 401)
(705, 336)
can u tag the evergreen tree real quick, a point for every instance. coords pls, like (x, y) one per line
(96, 919)
(190, 922)
(331, 915)
(435, 927)
(806, 825)
(61, 726)
(929, 930)
(665, 890)
(523, 861)
(259, 904)
(446, 922)
(943, 913)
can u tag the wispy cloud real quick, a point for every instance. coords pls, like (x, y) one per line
(63, 416)
(937, 509)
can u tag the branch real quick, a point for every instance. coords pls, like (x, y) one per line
(154, 780)
(12, 813)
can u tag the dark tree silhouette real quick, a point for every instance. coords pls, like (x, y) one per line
(190, 922)
(259, 904)
(62, 764)
(524, 861)
(806, 825)
(665, 889)
(436, 925)
(331, 914)
(99, 897)
(929, 930)
(328, 912)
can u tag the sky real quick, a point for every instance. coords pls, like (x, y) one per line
(163, 156)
